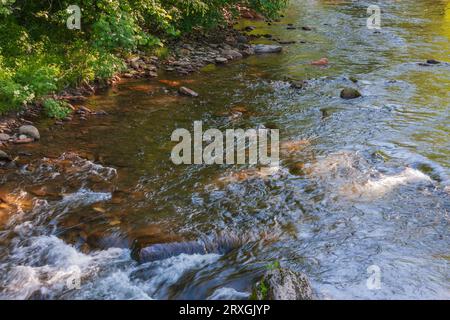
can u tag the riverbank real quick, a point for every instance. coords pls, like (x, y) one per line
(184, 56)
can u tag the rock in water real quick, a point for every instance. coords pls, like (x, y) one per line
(350, 93)
(266, 48)
(433, 61)
(220, 245)
(188, 92)
(283, 284)
(297, 84)
(320, 62)
(4, 156)
(30, 131)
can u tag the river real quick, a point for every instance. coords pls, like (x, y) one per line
(369, 185)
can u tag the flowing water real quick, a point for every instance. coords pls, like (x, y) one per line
(366, 184)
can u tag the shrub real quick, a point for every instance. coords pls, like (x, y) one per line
(56, 109)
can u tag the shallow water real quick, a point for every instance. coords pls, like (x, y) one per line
(370, 186)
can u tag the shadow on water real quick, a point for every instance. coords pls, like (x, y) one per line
(362, 182)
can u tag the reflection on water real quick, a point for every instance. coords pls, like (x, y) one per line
(362, 182)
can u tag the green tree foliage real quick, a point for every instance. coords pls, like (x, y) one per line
(39, 55)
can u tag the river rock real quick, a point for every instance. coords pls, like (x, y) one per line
(30, 131)
(232, 54)
(4, 137)
(267, 48)
(221, 60)
(350, 93)
(296, 84)
(242, 39)
(283, 284)
(4, 156)
(320, 62)
(160, 251)
(188, 92)
(433, 61)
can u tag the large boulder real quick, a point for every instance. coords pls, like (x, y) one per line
(282, 284)
(267, 48)
(30, 131)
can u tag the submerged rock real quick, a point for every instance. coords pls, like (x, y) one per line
(282, 284)
(267, 48)
(350, 93)
(320, 62)
(30, 131)
(188, 92)
(221, 245)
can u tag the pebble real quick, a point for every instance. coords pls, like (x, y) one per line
(188, 92)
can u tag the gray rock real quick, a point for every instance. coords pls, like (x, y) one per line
(232, 54)
(30, 131)
(4, 137)
(267, 48)
(4, 156)
(242, 39)
(188, 92)
(350, 93)
(283, 284)
(221, 60)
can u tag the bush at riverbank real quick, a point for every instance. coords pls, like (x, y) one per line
(39, 55)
